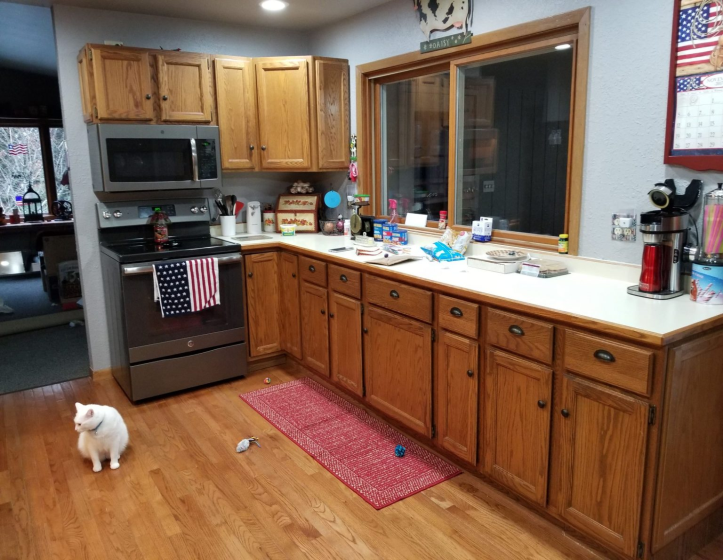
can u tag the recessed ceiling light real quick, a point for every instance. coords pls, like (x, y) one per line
(273, 5)
(563, 47)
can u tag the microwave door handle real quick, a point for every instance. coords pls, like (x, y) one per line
(194, 159)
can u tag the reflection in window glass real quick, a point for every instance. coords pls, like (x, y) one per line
(513, 131)
(21, 164)
(415, 144)
(60, 163)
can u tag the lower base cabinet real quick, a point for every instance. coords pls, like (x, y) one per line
(289, 304)
(516, 449)
(604, 437)
(345, 336)
(398, 368)
(315, 328)
(262, 294)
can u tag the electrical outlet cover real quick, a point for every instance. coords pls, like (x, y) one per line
(488, 186)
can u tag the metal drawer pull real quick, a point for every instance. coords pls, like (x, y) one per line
(394, 294)
(470, 373)
(517, 331)
(165, 98)
(343, 278)
(312, 268)
(565, 413)
(604, 355)
(148, 95)
(456, 311)
(365, 330)
(251, 274)
(323, 312)
(293, 274)
(134, 270)
(542, 404)
(331, 315)
(251, 147)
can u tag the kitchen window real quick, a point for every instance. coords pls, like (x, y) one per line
(32, 155)
(493, 129)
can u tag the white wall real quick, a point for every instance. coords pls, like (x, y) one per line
(627, 98)
(76, 26)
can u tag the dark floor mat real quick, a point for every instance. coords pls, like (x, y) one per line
(25, 295)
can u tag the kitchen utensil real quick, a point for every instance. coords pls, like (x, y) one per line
(332, 199)
(253, 218)
(238, 207)
(221, 207)
(507, 255)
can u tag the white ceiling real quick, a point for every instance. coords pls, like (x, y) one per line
(27, 41)
(300, 14)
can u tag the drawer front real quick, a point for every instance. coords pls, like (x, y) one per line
(313, 271)
(611, 362)
(526, 337)
(345, 281)
(458, 316)
(400, 298)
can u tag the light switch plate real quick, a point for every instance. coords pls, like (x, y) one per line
(488, 186)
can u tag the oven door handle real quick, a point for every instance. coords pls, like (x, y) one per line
(135, 270)
(194, 159)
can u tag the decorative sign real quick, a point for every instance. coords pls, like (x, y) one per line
(694, 135)
(441, 15)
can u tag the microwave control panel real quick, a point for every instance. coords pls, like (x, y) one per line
(206, 150)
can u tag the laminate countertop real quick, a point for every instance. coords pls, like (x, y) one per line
(594, 301)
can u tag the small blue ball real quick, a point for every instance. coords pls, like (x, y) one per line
(400, 450)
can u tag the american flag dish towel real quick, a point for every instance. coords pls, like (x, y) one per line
(186, 286)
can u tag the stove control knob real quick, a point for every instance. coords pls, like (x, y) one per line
(117, 214)
(194, 209)
(204, 209)
(106, 214)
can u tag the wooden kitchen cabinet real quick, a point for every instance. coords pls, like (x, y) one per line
(332, 113)
(290, 304)
(184, 87)
(516, 448)
(119, 84)
(236, 99)
(282, 87)
(345, 328)
(603, 449)
(457, 385)
(262, 290)
(398, 368)
(315, 328)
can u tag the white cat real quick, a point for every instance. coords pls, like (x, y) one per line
(103, 434)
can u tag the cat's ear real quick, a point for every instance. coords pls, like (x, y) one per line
(78, 407)
(90, 413)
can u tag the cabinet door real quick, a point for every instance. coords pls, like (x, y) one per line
(290, 319)
(604, 436)
(517, 424)
(284, 120)
(262, 289)
(457, 385)
(184, 86)
(398, 358)
(236, 98)
(332, 113)
(315, 330)
(346, 342)
(122, 80)
(84, 73)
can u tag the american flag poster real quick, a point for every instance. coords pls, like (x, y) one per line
(17, 149)
(186, 286)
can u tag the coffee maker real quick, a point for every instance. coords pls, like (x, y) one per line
(665, 234)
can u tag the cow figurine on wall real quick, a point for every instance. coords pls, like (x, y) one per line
(440, 15)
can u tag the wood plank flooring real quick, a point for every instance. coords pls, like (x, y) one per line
(183, 492)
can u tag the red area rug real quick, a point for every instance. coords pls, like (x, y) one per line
(351, 444)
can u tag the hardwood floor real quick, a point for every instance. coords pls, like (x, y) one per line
(183, 492)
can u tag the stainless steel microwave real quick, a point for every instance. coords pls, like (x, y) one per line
(136, 157)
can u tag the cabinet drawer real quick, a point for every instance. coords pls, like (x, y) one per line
(611, 362)
(400, 298)
(313, 271)
(527, 337)
(345, 281)
(458, 316)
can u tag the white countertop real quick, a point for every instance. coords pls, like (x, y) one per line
(583, 295)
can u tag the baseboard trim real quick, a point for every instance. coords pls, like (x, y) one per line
(40, 322)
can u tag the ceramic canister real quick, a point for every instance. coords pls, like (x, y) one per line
(707, 284)
(269, 222)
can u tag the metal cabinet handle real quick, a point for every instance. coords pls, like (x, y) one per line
(542, 404)
(165, 98)
(251, 275)
(263, 148)
(148, 95)
(312, 268)
(331, 315)
(365, 330)
(456, 311)
(394, 294)
(251, 147)
(516, 330)
(343, 278)
(293, 274)
(604, 356)
(470, 373)
(565, 413)
(323, 312)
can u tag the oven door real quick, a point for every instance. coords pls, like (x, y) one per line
(151, 336)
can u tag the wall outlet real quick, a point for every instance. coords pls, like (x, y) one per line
(113, 43)
(488, 186)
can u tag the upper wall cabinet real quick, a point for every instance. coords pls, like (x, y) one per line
(184, 87)
(332, 112)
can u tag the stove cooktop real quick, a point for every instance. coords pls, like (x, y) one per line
(135, 251)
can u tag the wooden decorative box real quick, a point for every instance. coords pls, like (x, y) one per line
(299, 209)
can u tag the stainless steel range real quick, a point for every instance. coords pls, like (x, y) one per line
(153, 355)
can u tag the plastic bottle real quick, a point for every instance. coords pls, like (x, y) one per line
(563, 243)
(393, 216)
(442, 219)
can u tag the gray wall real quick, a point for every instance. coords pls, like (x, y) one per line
(627, 98)
(76, 26)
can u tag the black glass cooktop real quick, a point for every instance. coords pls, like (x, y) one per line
(178, 248)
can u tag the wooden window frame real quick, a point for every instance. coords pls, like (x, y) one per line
(572, 27)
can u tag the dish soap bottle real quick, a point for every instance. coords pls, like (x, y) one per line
(393, 216)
